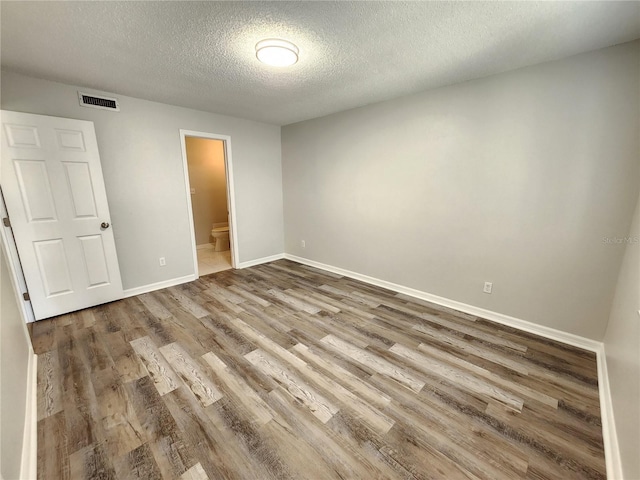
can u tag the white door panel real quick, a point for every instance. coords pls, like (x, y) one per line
(82, 196)
(22, 136)
(70, 140)
(95, 261)
(54, 192)
(53, 267)
(35, 190)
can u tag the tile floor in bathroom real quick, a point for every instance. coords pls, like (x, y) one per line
(210, 261)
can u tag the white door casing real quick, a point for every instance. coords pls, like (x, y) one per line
(231, 202)
(13, 263)
(55, 195)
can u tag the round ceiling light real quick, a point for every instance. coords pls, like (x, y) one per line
(278, 53)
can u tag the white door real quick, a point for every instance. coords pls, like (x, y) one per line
(54, 192)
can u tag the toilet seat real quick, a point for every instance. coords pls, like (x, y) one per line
(220, 229)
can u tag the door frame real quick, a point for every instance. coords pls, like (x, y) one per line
(14, 265)
(231, 205)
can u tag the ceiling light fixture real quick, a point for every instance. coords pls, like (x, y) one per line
(275, 52)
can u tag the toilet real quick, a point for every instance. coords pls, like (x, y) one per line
(220, 234)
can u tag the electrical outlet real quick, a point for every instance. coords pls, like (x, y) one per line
(488, 286)
(163, 262)
(303, 244)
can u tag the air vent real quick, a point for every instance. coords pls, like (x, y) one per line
(105, 103)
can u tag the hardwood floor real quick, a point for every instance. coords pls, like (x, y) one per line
(285, 371)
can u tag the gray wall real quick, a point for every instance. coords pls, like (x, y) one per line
(14, 360)
(142, 165)
(622, 347)
(513, 179)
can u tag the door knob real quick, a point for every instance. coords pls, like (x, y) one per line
(104, 225)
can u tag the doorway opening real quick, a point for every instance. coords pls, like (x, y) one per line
(209, 182)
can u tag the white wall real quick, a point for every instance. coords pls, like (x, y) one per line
(142, 165)
(15, 350)
(513, 179)
(622, 347)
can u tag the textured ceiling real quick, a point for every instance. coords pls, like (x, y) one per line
(201, 54)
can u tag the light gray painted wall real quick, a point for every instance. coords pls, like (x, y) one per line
(513, 179)
(14, 361)
(622, 346)
(142, 165)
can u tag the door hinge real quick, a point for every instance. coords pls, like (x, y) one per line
(26, 296)
(6, 222)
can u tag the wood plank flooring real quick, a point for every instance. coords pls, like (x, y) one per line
(285, 371)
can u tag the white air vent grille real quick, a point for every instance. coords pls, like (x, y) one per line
(105, 103)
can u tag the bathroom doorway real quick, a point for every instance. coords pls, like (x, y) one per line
(208, 177)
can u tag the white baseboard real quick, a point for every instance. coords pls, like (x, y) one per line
(204, 245)
(612, 452)
(610, 439)
(609, 434)
(29, 460)
(547, 332)
(132, 292)
(262, 260)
